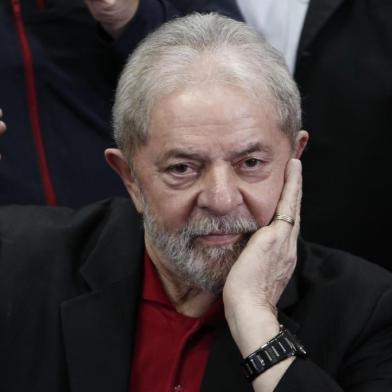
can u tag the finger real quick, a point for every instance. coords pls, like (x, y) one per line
(290, 198)
(297, 224)
(3, 126)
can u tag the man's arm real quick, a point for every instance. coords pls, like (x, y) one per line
(260, 275)
(253, 289)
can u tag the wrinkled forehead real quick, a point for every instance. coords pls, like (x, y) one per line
(205, 110)
(210, 122)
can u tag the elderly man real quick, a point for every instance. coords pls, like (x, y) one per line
(209, 296)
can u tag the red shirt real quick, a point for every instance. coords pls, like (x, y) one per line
(171, 349)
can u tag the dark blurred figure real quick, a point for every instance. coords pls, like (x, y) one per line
(58, 74)
(342, 62)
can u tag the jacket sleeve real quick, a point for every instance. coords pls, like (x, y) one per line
(367, 367)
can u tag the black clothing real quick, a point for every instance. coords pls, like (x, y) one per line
(69, 293)
(343, 71)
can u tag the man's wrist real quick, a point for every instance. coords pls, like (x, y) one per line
(251, 329)
(281, 347)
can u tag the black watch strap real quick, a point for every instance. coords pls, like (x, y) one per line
(282, 346)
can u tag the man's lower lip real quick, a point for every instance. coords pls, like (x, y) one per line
(220, 239)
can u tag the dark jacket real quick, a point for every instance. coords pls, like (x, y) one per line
(343, 70)
(69, 293)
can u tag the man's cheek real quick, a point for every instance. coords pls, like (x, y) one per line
(261, 206)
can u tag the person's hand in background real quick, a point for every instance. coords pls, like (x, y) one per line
(3, 127)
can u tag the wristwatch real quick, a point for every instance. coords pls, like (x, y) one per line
(282, 346)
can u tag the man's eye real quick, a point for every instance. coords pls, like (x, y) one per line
(179, 168)
(251, 163)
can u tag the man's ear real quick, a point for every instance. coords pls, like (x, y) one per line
(119, 163)
(301, 140)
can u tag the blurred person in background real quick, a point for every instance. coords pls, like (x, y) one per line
(340, 53)
(59, 64)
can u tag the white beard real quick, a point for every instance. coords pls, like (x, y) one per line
(202, 266)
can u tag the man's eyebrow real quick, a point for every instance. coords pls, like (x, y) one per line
(180, 153)
(249, 149)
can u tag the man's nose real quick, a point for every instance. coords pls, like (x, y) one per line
(220, 193)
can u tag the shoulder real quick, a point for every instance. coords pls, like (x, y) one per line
(37, 236)
(36, 220)
(344, 310)
(336, 285)
(321, 265)
(341, 292)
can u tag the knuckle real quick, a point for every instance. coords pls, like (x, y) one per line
(293, 205)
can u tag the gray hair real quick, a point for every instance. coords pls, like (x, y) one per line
(198, 49)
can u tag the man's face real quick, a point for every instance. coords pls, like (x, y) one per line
(210, 174)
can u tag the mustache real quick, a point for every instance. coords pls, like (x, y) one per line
(207, 225)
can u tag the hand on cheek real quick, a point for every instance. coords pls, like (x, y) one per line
(262, 271)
